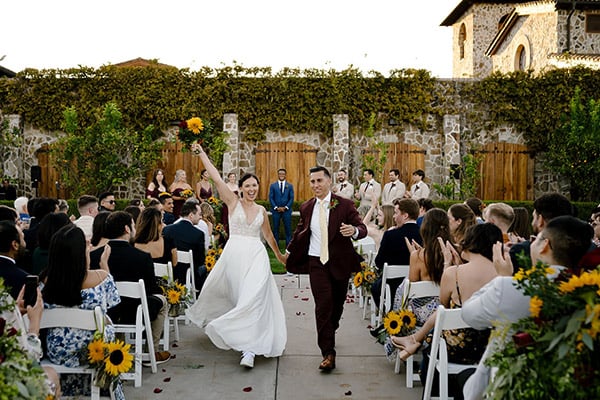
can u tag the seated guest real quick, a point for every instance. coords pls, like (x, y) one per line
(500, 214)
(21, 207)
(424, 206)
(560, 244)
(126, 263)
(88, 209)
(70, 283)
(12, 245)
(167, 206)
(49, 225)
(107, 202)
(9, 214)
(458, 283)
(461, 218)
(521, 225)
(134, 211)
(477, 206)
(149, 238)
(99, 238)
(384, 220)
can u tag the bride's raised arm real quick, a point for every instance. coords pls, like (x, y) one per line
(225, 193)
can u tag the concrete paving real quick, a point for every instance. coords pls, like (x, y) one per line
(202, 371)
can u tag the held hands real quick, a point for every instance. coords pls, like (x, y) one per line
(502, 261)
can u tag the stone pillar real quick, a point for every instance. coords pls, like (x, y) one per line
(451, 140)
(231, 158)
(341, 142)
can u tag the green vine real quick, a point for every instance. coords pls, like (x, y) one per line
(376, 156)
(10, 138)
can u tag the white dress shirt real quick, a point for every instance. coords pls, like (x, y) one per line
(314, 249)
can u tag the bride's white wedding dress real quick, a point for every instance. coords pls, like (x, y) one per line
(239, 306)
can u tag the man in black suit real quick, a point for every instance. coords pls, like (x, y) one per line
(12, 244)
(126, 263)
(393, 248)
(185, 236)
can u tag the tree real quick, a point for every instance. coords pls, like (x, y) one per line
(574, 148)
(105, 154)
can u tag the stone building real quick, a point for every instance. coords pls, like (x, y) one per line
(506, 36)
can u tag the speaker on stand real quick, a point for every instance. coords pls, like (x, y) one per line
(36, 177)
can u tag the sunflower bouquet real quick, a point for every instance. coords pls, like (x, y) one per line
(177, 295)
(400, 322)
(195, 130)
(555, 351)
(215, 203)
(365, 278)
(212, 255)
(187, 193)
(110, 359)
(220, 230)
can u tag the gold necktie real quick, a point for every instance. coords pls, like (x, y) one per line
(324, 240)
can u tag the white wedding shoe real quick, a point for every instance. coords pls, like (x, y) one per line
(247, 359)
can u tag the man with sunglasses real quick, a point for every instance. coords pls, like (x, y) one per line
(107, 202)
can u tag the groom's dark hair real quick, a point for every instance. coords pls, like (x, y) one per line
(319, 168)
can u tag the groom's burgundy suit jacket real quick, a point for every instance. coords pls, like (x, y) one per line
(343, 258)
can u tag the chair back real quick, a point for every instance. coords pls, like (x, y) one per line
(164, 270)
(365, 245)
(187, 257)
(445, 319)
(389, 272)
(417, 290)
(71, 317)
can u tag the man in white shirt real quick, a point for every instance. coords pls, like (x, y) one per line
(343, 187)
(419, 189)
(88, 209)
(368, 189)
(394, 189)
(561, 244)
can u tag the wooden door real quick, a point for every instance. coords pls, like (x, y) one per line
(296, 158)
(402, 156)
(506, 172)
(50, 185)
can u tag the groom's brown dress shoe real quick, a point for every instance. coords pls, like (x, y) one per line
(328, 363)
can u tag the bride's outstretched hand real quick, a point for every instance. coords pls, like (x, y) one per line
(196, 149)
(281, 257)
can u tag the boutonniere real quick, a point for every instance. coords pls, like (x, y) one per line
(333, 204)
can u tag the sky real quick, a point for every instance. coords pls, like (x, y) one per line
(378, 35)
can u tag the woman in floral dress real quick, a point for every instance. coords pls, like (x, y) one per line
(70, 283)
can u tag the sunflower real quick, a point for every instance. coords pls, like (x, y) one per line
(173, 296)
(119, 359)
(535, 306)
(407, 319)
(209, 261)
(220, 251)
(195, 125)
(392, 323)
(211, 252)
(363, 265)
(182, 289)
(358, 279)
(370, 276)
(96, 351)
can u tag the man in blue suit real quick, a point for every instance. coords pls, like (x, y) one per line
(281, 197)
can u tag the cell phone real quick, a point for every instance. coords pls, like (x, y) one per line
(31, 285)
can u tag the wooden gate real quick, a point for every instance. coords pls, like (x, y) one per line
(402, 156)
(50, 185)
(172, 159)
(296, 158)
(506, 172)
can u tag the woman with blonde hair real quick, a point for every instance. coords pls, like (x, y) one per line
(177, 187)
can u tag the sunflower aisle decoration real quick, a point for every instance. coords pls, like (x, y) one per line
(177, 296)
(401, 322)
(555, 351)
(212, 255)
(109, 359)
(365, 278)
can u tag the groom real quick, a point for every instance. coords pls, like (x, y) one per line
(322, 247)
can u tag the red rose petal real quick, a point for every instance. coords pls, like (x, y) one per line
(167, 379)
(296, 296)
(174, 345)
(298, 313)
(304, 299)
(247, 389)
(157, 390)
(348, 393)
(173, 356)
(164, 370)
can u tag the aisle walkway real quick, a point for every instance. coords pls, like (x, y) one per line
(201, 371)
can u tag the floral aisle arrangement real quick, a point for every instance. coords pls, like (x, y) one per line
(177, 296)
(110, 359)
(220, 230)
(21, 377)
(365, 278)
(212, 255)
(555, 352)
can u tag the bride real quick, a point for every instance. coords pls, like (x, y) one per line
(239, 306)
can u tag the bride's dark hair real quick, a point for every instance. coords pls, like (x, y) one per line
(246, 177)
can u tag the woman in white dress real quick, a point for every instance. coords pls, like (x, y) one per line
(239, 306)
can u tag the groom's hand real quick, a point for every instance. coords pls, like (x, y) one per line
(347, 230)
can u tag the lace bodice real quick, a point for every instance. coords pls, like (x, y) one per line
(238, 224)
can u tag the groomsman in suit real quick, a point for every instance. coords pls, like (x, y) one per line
(343, 187)
(281, 197)
(419, 189)
(322, 247)
(394, 189)
(366, 190)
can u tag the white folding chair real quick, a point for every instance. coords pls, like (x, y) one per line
(438, 359)
(137, 290)
(165, 271)
(415, 290)
(187, 257)
(386, 298)
(71, 317)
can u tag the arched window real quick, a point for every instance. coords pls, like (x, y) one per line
(521, 58)
(462, 38)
